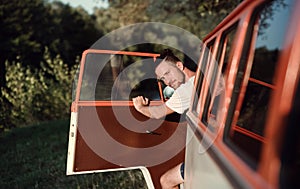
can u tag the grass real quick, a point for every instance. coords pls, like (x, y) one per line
(35, 157)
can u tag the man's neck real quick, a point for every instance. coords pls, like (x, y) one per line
(188, 74)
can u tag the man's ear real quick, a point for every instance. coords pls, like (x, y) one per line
(179, 65)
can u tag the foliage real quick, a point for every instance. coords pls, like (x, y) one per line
(21, 30)
(121, 13)
(198, 17)
(75, 32)
(5, 108)
(37, 95)
(28, 26)
(37, 85)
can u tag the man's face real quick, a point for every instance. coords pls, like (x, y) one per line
(170, 74)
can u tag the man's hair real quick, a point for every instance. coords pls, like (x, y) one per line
(167, 55)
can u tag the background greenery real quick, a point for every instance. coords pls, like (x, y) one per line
(40, 48)
(41, 45)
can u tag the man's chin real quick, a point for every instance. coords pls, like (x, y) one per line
(174, 86)
(177, 85)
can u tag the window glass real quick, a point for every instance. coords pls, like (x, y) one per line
(118, 77)
(207, 50)
(217, 86)
(247, 133)
(255, 105)
(272, 23)
(74, 84)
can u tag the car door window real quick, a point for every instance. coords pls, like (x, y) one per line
(118, 77)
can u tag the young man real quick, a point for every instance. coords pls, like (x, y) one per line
(174, 74)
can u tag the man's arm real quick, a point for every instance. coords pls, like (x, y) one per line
(141, 105)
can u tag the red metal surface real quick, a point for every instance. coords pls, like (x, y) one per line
(87, 159)
(287, 78)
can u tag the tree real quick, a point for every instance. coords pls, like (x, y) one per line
(27, 27)
(75, 31)
(198, 17)
(24, 26)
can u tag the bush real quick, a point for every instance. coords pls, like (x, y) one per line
(36, 95)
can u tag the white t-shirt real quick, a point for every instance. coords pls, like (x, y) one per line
(181, 98)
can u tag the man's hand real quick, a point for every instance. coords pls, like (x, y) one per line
(139, 102)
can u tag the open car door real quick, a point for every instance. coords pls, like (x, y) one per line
(106, 132)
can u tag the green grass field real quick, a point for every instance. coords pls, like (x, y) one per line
(35, 157)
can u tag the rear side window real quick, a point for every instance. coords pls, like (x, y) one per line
(207, 53)
(109, 77)
(217, 82)
(245, 123)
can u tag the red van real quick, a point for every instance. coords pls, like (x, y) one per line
(244, 137)
(252, 139)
